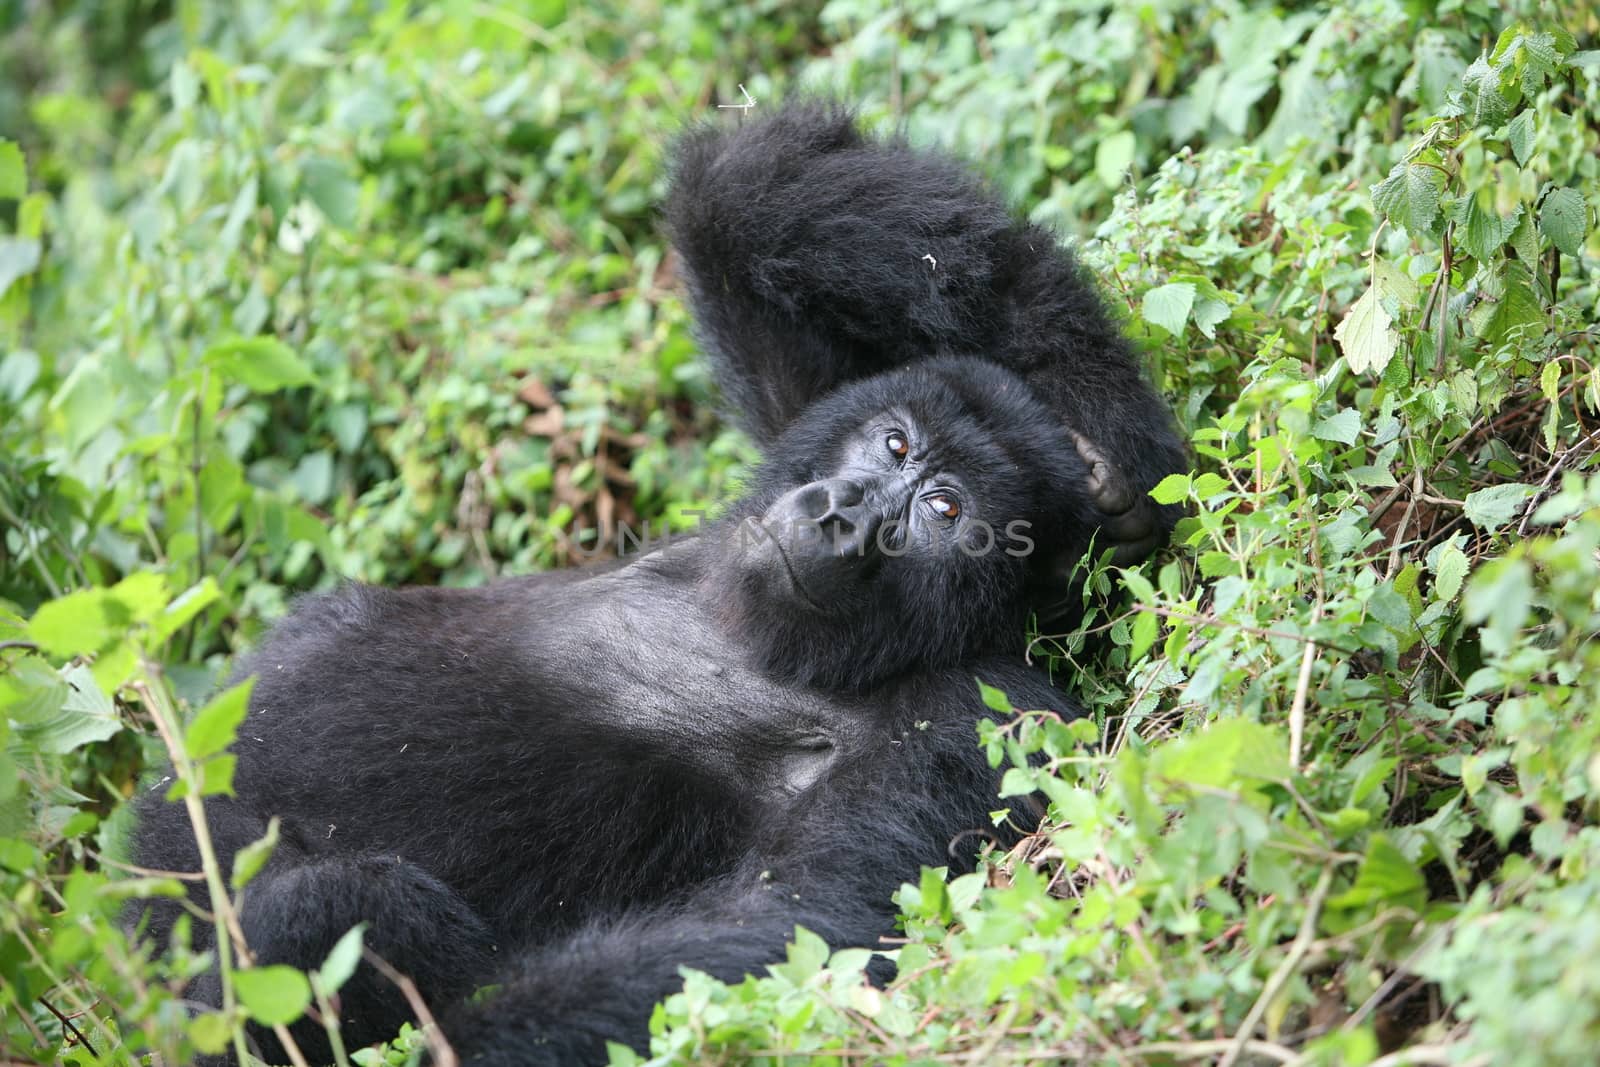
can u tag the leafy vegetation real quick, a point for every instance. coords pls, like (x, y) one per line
(297, 292)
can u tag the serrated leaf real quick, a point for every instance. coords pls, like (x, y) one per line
(262, 364)
(1481, 231)
(273, 995)
(86, 715)
(1520, 133)
(1172, 489)
(1486, 105)
(1409, 196)
(1563, 217)
(1550, 380)
(1366, 334)
(216, 724)
(1493, 507)
(1168, 306)
(1451, 571)
(1343, 427)
(73, 624)
(13, 171)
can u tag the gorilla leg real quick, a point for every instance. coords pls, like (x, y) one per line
(416, 923)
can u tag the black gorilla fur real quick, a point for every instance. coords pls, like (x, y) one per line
(570, 785)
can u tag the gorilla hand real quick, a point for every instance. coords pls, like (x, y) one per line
(1129, 522)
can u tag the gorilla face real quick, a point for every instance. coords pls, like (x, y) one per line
(908, 537)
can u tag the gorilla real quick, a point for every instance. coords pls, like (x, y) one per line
(563, 788)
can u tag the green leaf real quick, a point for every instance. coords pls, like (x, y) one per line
(19, 256)
(994, 699)
(1112, 158)
(215, 725)
(273, 995)
(1486, 105)
(1492, 508)
(1227, 754)
(1451, 570)
(248, 861)
(1520, 133)
(1344, 427)
(1409, 196)
(1145, 629)
(262, 364)
(1366, 334)
(1481, 231)
(341, 962)
(332, 189)
(1386, 877)
(86, 715)
(1168, 306)
(13, 171)
(210, 1031)
(1563, 217)
(1172, 489)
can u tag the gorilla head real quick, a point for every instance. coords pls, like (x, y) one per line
(894, 523)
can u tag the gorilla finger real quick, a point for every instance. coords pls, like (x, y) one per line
(1107, 485)
(1134, 524)
(1129, 553)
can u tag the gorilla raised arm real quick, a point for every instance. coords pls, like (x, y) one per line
(816, 255)
(567, 787)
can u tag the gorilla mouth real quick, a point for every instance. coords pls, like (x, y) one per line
(794, 578)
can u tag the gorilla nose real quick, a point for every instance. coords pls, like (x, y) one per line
(837, 507)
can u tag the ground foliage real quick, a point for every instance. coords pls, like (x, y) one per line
(291, 292)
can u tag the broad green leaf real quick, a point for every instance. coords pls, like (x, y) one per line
(1409, 196)
(76, 623)
(1172, 489)
(1520, 133)
(248, 861)
(216, 724)
(263, 364)
(1366, 334)
(19, 256)
(1452, 569)
(1344, 427)
(86, 715)
(13, 171)
(341, 962)
(31, 691)
(1486, 105)
(1387, 877)
(210, 1031)
(1492, 508)
(1168, 306)
(273, 995)
(1112, 158)
(994, 699)
(1230, 753)
(332, 189)
(1563, 217)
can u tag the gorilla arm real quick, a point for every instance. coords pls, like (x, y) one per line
(816, 255)
(830, 862)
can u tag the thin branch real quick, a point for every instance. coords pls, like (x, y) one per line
(1286, 969)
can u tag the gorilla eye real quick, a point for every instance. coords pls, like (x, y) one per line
(945, 504)
(896, 443)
